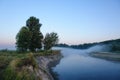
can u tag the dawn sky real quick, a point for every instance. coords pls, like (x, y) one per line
(75, 21)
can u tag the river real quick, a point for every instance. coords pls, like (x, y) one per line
(78, 65)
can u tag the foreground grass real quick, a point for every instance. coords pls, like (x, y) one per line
(20, 66)
(15, 66)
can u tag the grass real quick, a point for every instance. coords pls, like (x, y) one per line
(20, 66)
(18, 69)
(15, 66)
(47, 53)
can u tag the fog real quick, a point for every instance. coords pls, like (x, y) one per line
(98, 48)
(71, 51)
(76, 64)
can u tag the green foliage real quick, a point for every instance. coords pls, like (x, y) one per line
(50, 40)
(19, 68)
(27, 61)
(14, 66)
(47, 53)
(34, 27)
(30, 37)
(23, 39)
(4, 61)
(3, 50)
(5, 58)
(33, 24)
(115, 46)
(18, 74)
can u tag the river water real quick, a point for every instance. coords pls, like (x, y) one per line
(78, 65)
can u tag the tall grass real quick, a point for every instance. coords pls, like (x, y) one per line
(21, 69)
(20, 66)
(16, 66)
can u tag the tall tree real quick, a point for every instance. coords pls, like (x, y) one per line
(23, 39)
(34, 27)
(50, 40)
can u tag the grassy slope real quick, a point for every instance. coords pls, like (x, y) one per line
(20, 66)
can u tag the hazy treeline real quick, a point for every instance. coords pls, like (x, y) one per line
(113, 44)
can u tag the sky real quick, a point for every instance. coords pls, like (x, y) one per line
(75, 21)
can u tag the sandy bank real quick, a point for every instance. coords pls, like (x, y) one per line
(106, 55)
(45, 62)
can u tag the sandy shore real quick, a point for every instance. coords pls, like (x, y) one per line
(107, 55)
(45, 63)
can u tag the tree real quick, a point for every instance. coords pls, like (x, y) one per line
(34, 27)
(31, 38)
(115, 46)
(23, 39)
(50, 40)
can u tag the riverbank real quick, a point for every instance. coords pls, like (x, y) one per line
(27, 66)
(106, 55)
(45, 64)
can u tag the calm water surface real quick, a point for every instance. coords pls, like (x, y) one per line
(78, 65)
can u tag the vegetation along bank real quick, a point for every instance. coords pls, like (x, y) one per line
(27, 66)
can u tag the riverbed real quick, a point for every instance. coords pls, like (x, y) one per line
(78, 65)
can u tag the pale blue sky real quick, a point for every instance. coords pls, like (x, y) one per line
(75, 21)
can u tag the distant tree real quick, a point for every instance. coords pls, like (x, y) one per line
(36, 39)
(62, 45)
(50, 40)
(23, 39)
(115, 46)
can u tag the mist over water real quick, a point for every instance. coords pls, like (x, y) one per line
(98, 48)
(78, 65)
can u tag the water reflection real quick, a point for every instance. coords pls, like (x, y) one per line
(77, 65)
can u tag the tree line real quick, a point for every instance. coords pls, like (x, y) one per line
(30, 38)
(114, 45)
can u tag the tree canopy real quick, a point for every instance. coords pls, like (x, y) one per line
(30, 37)
(22, 41)
(50, 40)
(34, 27)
